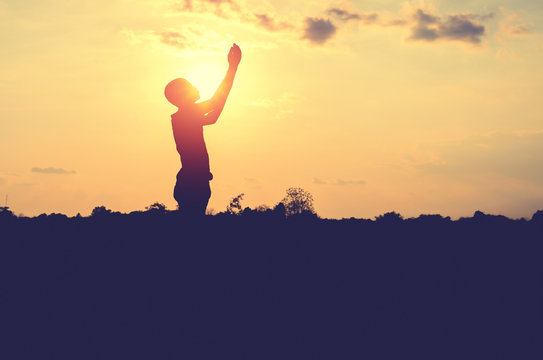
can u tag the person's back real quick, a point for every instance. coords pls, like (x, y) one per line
(188, 133)
(192, 189)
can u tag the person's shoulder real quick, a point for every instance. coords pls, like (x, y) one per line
(178, 115)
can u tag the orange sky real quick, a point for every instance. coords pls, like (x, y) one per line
(373, 106)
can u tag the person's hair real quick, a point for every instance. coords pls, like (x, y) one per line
(177, 91)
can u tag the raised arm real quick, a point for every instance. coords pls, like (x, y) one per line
(213, 107)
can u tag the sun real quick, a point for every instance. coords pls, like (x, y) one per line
(206, 77)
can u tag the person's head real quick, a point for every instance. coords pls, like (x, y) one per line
(180, 92)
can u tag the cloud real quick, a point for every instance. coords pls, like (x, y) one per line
(463, 28)
(424, 25)
(459, 27)
(346, 15)
(52, 170)
(518, 30)
(338, 182)
(188, 41)
(173, 38)
(318, 30)
(484, 17)
(511, 26)
(230, 9)
(271, 24)
(222, 8)
(195, 38)
(341, 182)
(422, 18)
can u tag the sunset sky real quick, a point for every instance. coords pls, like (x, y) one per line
(372, 106)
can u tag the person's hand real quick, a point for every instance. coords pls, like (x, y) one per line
(234, 56)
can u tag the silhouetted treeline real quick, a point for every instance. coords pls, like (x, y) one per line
(236, 213)
(265, 284)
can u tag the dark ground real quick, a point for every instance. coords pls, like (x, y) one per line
(154, 286)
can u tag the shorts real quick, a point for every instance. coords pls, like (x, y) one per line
(192, 193)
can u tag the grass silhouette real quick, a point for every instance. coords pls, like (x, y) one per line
(260, 285)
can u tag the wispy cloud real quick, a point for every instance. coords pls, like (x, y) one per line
(222, 8)
(187, 41)
(52, 170)
(231, 9)
(511, 26)
(347, 15)
(342, 182)
(270, 23)
(338, 182)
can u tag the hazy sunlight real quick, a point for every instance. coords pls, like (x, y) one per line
(206, 77)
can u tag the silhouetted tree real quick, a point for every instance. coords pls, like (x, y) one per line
(257, 211)
(280, 210)
(234, 208)
(537, 217)
(389, 217)
(298, 201)
(262, 208)
(6, 213)
(100, 211)
(248, 211)
(156, 208)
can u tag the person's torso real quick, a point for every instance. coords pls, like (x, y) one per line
(188, 133)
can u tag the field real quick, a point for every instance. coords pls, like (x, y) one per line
(158, 286)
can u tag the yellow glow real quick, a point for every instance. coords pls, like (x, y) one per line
(206, 77)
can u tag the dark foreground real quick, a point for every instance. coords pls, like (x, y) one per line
(155, 286)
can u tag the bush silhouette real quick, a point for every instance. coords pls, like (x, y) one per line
(156, 208)
(6, 214)
(100, 211)
(234, 208)
(259, 285)
(537, 217)
(298, 201)
(389, 217)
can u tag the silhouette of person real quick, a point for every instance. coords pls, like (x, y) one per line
(192, 191)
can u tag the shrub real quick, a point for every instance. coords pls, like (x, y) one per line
(156, 208)
(100, 211)
(298, 201)
(234, 208)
